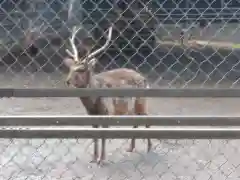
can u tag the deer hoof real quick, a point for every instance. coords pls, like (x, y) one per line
(101, 162)
(94, 160)
(149, 149)
(130, 149)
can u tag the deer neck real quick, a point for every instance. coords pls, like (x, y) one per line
(89, 105)
(92, 104)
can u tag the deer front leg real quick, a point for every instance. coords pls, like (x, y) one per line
(149, 143)
(103, 150)
(95, 148)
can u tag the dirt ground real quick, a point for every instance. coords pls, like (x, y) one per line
(62, 159)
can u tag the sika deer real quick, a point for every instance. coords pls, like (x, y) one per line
(81, 75)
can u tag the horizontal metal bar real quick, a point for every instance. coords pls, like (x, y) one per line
(6, 92)
(121, 133)
(153, 120)
(187, 93)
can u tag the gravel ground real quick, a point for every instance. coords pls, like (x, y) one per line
(61, 159)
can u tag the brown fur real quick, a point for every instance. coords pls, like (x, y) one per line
(140, 108)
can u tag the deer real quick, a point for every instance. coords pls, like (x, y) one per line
(81, 75)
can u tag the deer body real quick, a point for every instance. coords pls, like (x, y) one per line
(81, 75)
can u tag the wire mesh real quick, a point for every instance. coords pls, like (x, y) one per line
(174, 44)
(69, 159)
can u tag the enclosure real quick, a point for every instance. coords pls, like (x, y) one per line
(174, 44)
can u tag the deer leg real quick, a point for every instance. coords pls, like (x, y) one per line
(95, 148)
(141, 109)
(121, 109)
(149, 143)
(132, 144)
(103, 150)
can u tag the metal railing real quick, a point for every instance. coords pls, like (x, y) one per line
(33, 128)
(116, 92)
(68, 127)
(11, 131)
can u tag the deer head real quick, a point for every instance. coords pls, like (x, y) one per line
(80, 69)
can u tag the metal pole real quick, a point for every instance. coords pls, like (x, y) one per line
(121, 133)
(153, 120)
(114, 92)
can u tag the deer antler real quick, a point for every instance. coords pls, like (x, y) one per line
(109, 37)
(73, 54)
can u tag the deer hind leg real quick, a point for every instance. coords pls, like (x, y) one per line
(95, 149)
(121, 108)
(132, 144)
(141, 109)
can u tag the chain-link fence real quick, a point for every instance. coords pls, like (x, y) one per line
(69, 159)
(172, 43)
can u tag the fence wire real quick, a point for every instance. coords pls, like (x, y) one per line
(69, 159)
(174, 44)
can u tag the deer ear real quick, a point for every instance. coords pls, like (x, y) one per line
(68, 62)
